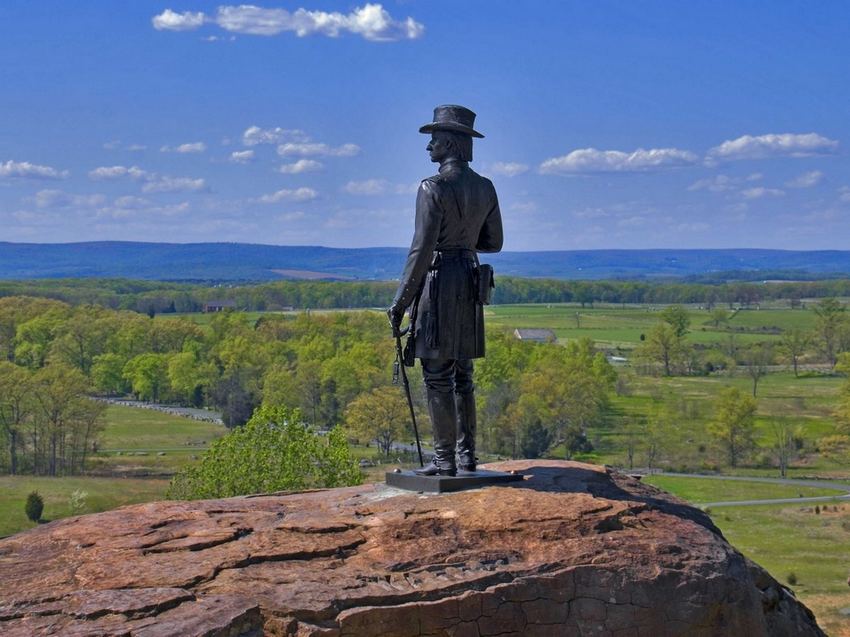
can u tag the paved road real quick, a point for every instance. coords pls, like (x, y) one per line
(843, 488)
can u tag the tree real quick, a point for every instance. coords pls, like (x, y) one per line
(793, 346)
(676, 317)
(718, 315)
(107, 373)
(188, 377)
(147, 375)
(566, 388)
(758, 358)
(785, 437)
(274, 451)
(381, 415)
(34, 506)
(734, 424)
(830, 318)
(15, 407)
(664, 346)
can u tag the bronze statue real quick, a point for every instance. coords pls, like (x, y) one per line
(457, 216)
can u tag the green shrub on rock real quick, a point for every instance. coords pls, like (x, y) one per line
(34, 506)
(274, 451)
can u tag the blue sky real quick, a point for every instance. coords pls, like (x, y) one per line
(608, 124)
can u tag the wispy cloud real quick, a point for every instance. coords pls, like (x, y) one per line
(590, 160)
(242, 156)
(301, 166)
(761, 192)
(191, 147)
(508, 169)
(117, 144)
(844, 194)
(58, 199)
(153, 182)
(723, 183)
(162, 183)
(772, 145)
(315, 149)
(367, 187)
(806, 180)
(371, 21)
(254, 135)
(297, 194)
(116, 172)
(25, 170)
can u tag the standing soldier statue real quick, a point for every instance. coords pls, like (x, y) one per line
(457, 216)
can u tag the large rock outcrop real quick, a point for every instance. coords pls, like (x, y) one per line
(572, 550)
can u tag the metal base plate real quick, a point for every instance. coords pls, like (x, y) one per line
(443, 484)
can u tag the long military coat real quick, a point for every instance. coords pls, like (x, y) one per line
(457, 215)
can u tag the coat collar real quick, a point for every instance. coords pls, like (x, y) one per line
(452, 164)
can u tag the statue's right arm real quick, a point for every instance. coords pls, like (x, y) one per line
(491, 237)
(429, 214)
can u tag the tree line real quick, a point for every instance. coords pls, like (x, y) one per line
(158, 297)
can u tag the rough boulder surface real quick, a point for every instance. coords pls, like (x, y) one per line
(574, 549)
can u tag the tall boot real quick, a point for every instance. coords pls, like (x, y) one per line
(441, 408)
(466, 425)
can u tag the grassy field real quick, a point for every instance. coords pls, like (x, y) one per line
(102, 494)
(622, 326)
(144, 441)
(784, 539)
(700, 491)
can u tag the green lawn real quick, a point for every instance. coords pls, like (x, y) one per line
(134, 439)
(794, 539)
(622, 326)
(103, 494)
(702, 490)
(784, 539)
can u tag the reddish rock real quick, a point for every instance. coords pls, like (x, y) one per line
(572, 550)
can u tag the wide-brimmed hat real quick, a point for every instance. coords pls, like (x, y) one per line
(450, 117)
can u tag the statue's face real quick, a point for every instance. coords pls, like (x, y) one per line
(440, 147)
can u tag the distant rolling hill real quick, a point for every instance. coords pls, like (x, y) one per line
(252, 262)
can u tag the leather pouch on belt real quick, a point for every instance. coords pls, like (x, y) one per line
(485, 283)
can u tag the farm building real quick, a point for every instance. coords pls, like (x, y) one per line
(535, 335)
(219, 306)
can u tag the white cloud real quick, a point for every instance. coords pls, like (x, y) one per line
(254, 135)
(124, 207)
(508, 169)
(589, 160)
(59, 199)
(723, 183)
(761, 192)
(806, 180)
(164, 183)
(116, 144)
(191, 147)
(242, 156)
(25, 170)
(367, 187)
(844, 194)
(116, 172)
(370, 21)
(169, 20)
(300, 166)
(297, 194)
(772, 145)
(315, 149)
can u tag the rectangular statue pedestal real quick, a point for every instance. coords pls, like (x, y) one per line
(443, 484)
